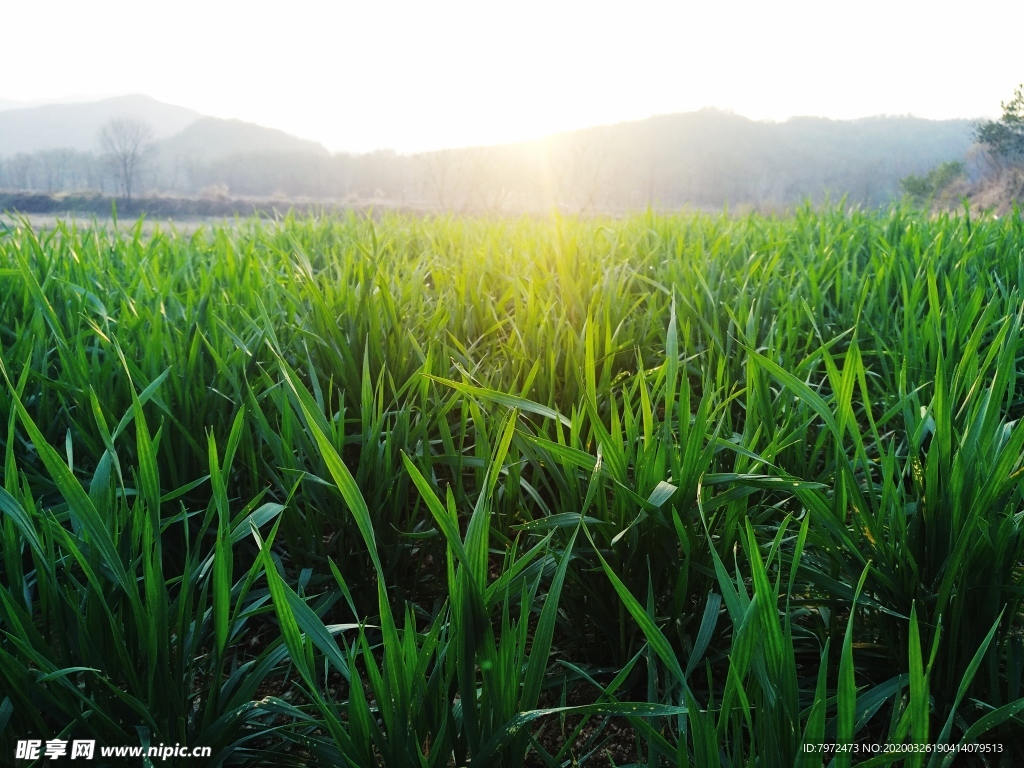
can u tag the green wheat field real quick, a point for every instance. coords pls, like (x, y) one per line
(670, 490)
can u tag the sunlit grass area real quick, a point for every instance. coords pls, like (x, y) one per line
(668, 490)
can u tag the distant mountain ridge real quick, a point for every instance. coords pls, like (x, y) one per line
(712, 157)
(707, 159)
(77, 126)
(178, 130)
(210, 137)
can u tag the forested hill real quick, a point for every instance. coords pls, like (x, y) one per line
(702, 159)
(712, 157)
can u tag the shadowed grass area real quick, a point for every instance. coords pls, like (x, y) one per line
(429, 491)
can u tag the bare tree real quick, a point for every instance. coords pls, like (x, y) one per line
(56, 167)
(20, 168)
(127, 143)
(588, 170)
(440, 171)
(487, 173)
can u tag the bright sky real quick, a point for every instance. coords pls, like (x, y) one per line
(413, 75)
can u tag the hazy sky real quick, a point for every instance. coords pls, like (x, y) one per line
(415, 75)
